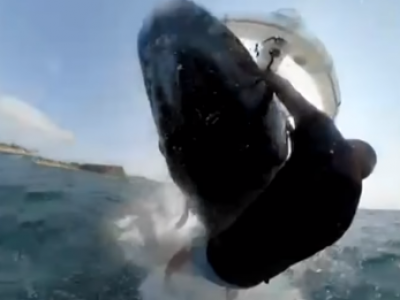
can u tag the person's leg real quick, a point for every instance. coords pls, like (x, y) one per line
(355, 158)
(295, 103)
(315, 134)
(365, 157)
(325, 172)
(312, 199)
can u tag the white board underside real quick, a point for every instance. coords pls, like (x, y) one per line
(304, 48)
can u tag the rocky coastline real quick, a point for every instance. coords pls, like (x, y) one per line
(110, 170)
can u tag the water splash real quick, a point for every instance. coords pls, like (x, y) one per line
(149, 238)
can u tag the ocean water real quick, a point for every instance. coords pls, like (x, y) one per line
(76, 235)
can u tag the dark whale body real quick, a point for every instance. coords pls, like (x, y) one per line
(220, 130)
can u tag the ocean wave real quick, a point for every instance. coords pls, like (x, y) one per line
(71, 235)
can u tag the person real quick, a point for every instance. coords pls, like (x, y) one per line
(226, 146)
(309, 205)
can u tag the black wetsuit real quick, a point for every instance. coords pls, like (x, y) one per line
(309, 206)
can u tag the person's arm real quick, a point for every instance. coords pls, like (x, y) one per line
(295, 103)
(364, 157)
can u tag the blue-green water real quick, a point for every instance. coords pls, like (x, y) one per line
(58, 240)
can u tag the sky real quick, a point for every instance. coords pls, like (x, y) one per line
(71, 87)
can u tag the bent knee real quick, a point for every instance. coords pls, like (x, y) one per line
(364, 155)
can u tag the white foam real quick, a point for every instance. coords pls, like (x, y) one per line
(164, 211)
(188, 287)
(148, 235)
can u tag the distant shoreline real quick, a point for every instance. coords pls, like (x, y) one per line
(110, 170)
(13, 149)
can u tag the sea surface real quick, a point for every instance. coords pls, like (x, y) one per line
(67, 234)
